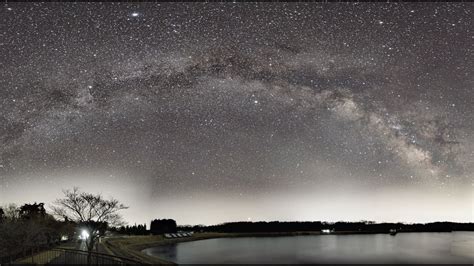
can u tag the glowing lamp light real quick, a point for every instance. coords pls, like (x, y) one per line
(84, 234)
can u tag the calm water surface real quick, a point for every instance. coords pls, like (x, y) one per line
(455, 247)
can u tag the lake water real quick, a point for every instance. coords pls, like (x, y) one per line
(457, 247)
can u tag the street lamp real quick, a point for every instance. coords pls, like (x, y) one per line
(84, 234)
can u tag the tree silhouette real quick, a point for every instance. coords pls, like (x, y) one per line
(93, 212)
(32, 211)
(29, 228)
(163, 226)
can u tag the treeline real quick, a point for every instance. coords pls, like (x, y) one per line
(132, 230)
(29, 228)
(157, 227)
(163, 226)
(363, 226)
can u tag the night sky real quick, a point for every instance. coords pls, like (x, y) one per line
(215, 112)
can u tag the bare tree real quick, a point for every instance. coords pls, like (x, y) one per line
(93, 212)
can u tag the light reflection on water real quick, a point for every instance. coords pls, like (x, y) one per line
(457, 247)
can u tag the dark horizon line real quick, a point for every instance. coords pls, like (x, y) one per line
(317, 221)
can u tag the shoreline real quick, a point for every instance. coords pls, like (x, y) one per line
(133, 246)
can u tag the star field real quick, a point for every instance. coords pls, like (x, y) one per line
(302, 111)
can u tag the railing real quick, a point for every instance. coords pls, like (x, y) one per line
(62, 256)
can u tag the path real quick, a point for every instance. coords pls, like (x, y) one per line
(71, 258)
